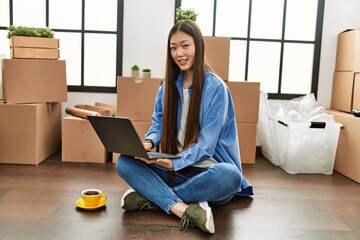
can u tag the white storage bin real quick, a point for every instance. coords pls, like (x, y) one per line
(308, 147)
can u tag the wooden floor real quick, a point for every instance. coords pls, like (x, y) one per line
(38, 202)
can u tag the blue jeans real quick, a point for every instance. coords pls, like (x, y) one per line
(216, 184)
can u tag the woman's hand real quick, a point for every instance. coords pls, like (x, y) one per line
(164, 162)
(147, 146)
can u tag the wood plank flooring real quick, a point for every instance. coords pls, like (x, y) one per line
(38, 202)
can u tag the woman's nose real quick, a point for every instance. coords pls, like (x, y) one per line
(180, 52)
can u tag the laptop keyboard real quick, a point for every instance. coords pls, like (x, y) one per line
(155, 155)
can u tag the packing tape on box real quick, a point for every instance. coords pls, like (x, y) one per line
(82, 113)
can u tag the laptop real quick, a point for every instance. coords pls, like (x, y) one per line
(118, 135)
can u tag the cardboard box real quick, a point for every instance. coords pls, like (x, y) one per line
(34, 53)
(348, 51)
(29, 133)
(217, 51)
(34, 81)
(356, 92)
(34, 42)
(246, 96)
(342, 91)
(247, 142)
(347, 159)
(80, 143)
(136, 97)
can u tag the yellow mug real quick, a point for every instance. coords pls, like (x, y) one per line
(92, 197)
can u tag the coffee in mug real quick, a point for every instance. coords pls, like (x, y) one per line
(92, 197)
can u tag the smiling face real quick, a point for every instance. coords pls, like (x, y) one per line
(182, 48)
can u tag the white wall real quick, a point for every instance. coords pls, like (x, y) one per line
(146, 29)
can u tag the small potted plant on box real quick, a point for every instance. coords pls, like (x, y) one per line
(185, 13)
(146, 72)
(135, 71)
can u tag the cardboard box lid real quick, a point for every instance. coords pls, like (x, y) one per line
(34, 81)
(246, 97)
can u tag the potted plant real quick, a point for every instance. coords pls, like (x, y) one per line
(29, 42)
(146, 72)
(135, 71)
(185, 13)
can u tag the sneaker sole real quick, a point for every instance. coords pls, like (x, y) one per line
(130, 190)
(209, 217)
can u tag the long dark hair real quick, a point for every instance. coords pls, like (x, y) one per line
(169, 129)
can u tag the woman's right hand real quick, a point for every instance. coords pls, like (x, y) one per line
(147, 146)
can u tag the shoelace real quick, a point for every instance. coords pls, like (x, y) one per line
(148, 205)
(185, 222)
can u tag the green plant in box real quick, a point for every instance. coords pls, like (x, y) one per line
(185, 13)
(30, 32)
(146, 70)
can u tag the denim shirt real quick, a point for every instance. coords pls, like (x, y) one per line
(218, 137)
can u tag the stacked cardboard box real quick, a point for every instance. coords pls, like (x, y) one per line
(135, 100)
(346, 97)
(34, 81)
(346, 82)
(246, 96)
(30, 129)
(29, 133)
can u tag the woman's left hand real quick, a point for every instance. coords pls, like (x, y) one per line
(164, 162)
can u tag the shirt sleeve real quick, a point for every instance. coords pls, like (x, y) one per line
(155, 131)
